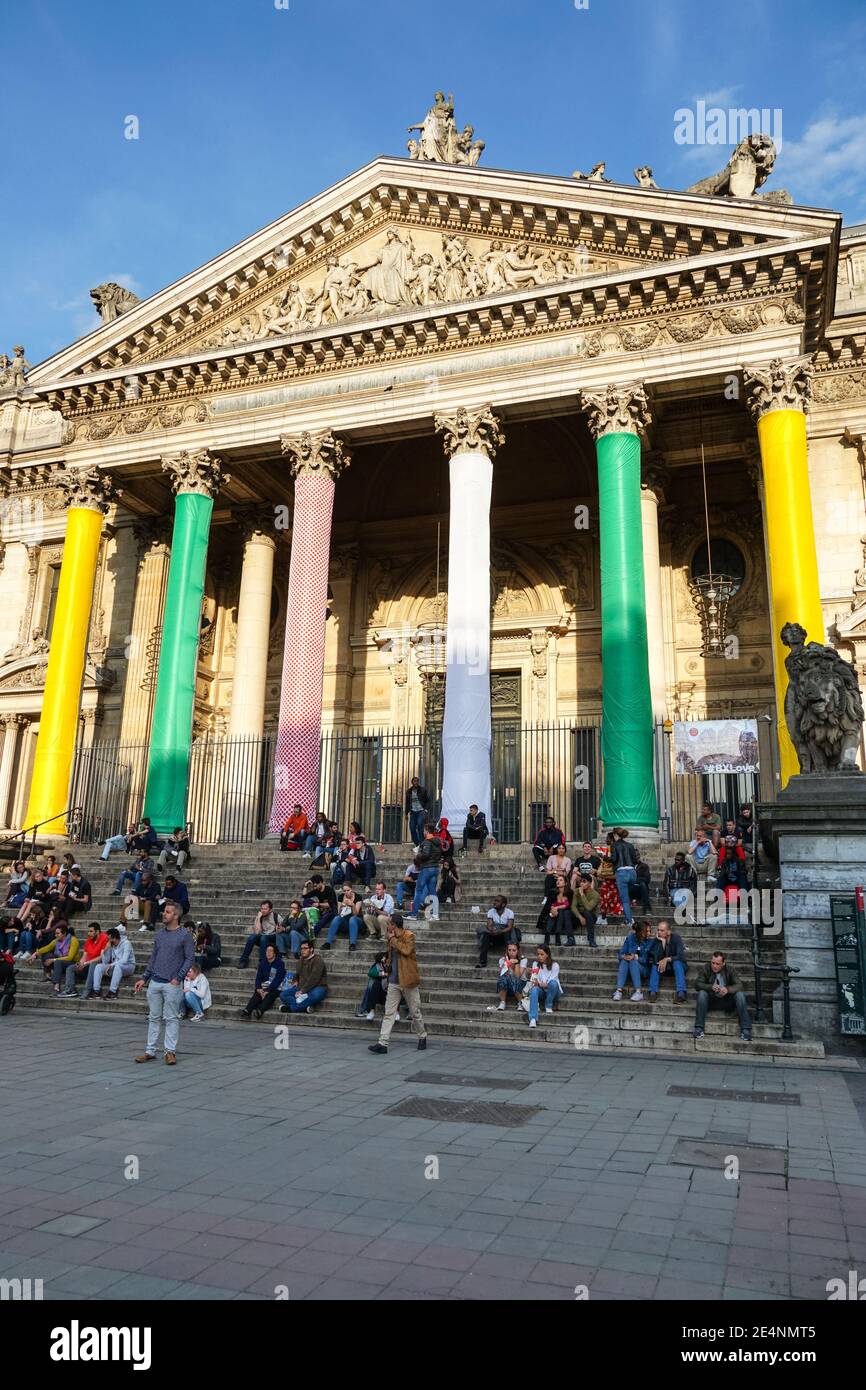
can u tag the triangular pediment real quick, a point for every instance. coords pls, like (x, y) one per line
(399, 238)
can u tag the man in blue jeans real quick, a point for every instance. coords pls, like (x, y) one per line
(667, 956)
(311, 987)
(428, 859)
(624, 860)
(417, 804)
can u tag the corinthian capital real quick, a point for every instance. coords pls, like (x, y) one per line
(778, 386)
(616, 409)
(200, 472)
(322, 454)
(470, 431)
(87, 487)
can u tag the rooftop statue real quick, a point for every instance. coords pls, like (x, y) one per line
(439, 139)
(595, 175)
(13, 371)
(112, 300)
(644, 175)
(748, 168)
(823, 705)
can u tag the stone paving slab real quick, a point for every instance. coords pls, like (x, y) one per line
(247, 1170)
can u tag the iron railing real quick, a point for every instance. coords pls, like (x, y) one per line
(551, 768)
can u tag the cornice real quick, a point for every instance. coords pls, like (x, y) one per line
(706, 296)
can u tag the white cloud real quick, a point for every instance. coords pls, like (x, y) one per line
(829, 163)
(723, 96)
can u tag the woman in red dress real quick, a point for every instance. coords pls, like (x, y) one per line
(610, 904)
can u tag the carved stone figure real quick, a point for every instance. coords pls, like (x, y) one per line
(644, 175)
(396, 274)
(823, 705)
(778, 386)
(440, 139)
(616, 410)
(112, 300)
(595, 175)
(14, 372)
(748, 168)
(323, 453)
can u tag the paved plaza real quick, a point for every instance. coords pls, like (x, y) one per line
(255, 1170)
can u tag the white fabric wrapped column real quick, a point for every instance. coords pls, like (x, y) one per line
(471, 440)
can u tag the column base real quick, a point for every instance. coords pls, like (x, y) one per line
(640, 835)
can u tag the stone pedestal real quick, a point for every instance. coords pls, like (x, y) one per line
(818, 830)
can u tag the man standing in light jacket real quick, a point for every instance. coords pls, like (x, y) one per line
(172, 955)
(401, 972)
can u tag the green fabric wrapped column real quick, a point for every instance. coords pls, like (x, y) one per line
(629, 795)
(195, 480)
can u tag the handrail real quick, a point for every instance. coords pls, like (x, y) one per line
(72, 812)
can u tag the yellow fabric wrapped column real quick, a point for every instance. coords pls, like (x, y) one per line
(778, 397)
(88, 497)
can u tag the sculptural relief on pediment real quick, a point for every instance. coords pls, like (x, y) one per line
(408, 268)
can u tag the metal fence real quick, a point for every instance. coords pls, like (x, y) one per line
(536, 770)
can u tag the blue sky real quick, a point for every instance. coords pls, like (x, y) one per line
(246, 109)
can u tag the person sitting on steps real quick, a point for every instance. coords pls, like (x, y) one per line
(719, 986)
(629, 957)
(547, 841)
(117, 961)
(556, 915)
(499, 929)
(512, 978)
(544, 983)
(667, 956)
(584, 908)
(375, 991)
(348, 919)
(176, 847)
(295, 830)
(377, 909)
(269, 982)
(296, 926)
(310, 989)
(475, 828)
(559, 862)
(264, 930)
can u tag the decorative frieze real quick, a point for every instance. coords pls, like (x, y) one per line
(320, 454)
(778, 386)
(468, 431)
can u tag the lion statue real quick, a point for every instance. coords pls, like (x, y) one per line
(748, 168)
(823, 705)
(112, 300)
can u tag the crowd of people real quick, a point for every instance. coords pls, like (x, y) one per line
(344, 895)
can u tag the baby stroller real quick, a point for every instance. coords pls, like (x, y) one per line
(8, 983)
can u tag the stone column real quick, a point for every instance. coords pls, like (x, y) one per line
(13, 724)
(471, 440)
(616, 418)
(88, 497)
(195, 479)
(653, 479)
(152, 561)
(316, 461)
(247, 710)
(778, 396)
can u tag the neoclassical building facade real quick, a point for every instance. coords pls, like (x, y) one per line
(442, 447)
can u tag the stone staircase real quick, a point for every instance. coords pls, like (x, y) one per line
(226, 884)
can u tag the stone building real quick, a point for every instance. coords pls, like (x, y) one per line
(390, 446)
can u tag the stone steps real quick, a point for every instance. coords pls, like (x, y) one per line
(226, 885)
